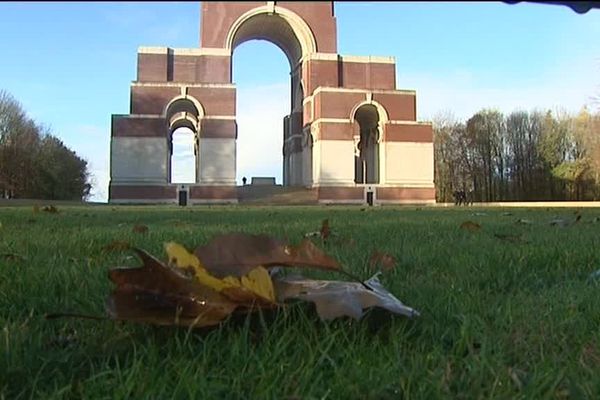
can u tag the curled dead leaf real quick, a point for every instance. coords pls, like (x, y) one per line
(335, 299)
(325, 231)
(470, 226)
(255, 286)
(157, 294)
(510, 238)
(140, 228)
(236, 254)
(12, 257)
(386, 261)
(50, 209)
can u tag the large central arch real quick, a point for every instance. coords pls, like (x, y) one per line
(291, 34)
(339, 106)
(278, 25)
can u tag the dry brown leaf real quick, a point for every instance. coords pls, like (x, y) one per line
(157, 294)
(140, 228)
(116, 245)
(335, 299)
(510, 238)
(12, 257)
(236, 254)
(470, 226)
(325, 231)
(386, 261)
(255, 287)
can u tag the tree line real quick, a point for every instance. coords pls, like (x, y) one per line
(518, 157)
(35, 164)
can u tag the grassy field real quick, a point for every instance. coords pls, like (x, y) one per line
(499, 318)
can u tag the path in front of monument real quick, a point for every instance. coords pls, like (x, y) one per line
(509, 310)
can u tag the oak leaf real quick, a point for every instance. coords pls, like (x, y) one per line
(236, 254)
(256, 285)
(155, 293)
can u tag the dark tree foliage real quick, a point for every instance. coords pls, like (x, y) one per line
(33, 163)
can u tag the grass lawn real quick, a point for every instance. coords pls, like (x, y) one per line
(499, 319)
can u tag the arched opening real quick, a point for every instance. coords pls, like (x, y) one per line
(262, 109)
(366, 159)
(262, 102)
(183, 156)
(183, 116)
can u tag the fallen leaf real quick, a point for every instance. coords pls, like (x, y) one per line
(335, 299)
(325, 231)
(510, 238)
(50, 209)
(563, 223)
(12, 257)
(470, 226)
(140, 229)
(236, 254)
(386, 261)
(524, 221)
(116, 245)
(157, 294)
(254, 286)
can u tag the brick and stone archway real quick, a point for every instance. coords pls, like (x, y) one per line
(335, 101)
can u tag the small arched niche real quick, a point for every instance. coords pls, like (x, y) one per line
(366, 160)
(183, 116)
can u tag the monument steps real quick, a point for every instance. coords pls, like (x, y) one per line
(272, 195)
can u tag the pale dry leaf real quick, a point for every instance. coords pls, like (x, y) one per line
(335, 299)
(523, 221)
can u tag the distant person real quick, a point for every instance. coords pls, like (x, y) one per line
(460, 197)
(244, 180)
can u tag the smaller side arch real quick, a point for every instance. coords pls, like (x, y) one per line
(198, 106)
(184, 110)
(383, 114)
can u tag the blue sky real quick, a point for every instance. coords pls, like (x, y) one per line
(70, 64)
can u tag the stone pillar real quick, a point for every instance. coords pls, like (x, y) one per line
(217, 161)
